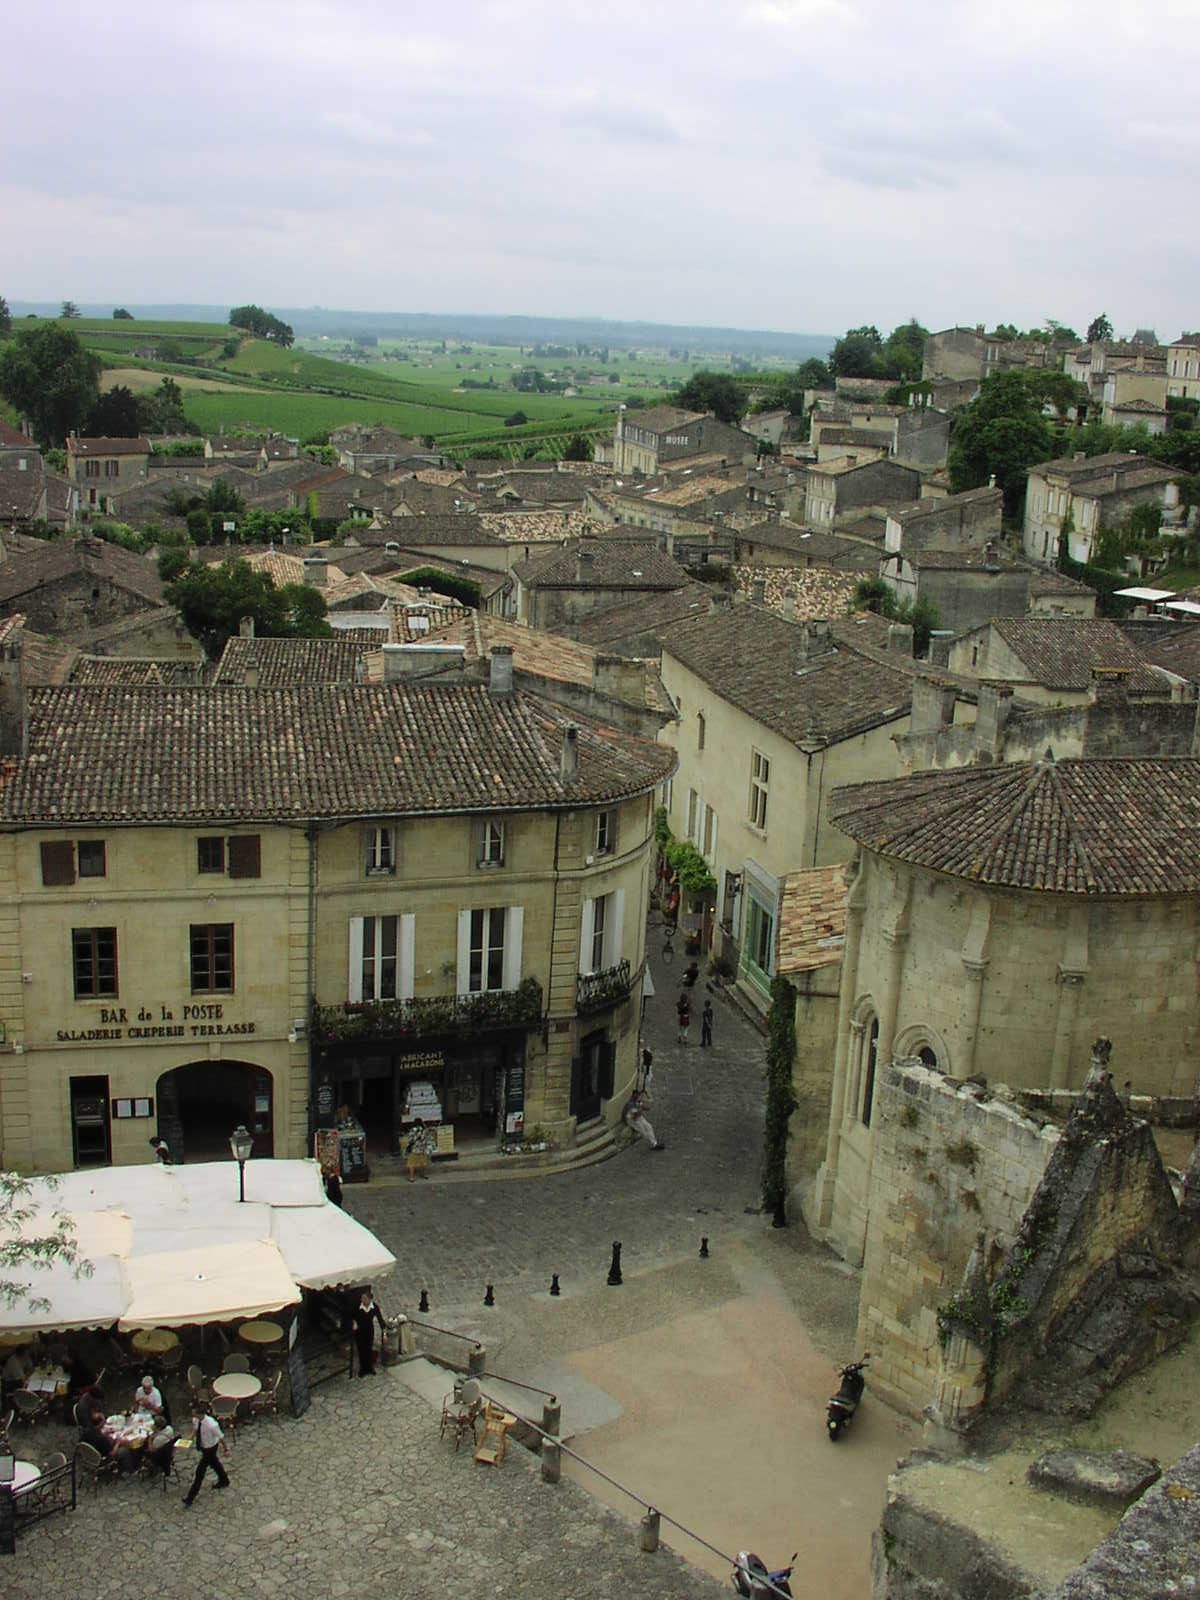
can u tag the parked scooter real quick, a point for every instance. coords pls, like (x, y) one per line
(845, 1402)
(753, 1580)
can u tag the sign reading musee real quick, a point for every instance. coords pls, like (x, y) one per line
(201, 1021)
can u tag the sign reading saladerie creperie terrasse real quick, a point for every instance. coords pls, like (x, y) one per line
(123, 1022)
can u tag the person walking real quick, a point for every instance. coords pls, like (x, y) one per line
(634, 1116)
(209, 1440)
(366, 1315)
(683, 1008)
(706, 1019)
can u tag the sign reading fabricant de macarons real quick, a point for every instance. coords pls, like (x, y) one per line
(205, 1020)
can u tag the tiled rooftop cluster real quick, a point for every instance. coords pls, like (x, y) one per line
(1060, 652)
(814, 591)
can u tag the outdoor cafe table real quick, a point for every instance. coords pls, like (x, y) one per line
(132, 1431)
(260, 1332)
(48, 1381)
(25, 1473)
(154, 1341)
(237, 1386)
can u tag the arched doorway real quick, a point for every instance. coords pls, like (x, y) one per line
(200, 1104)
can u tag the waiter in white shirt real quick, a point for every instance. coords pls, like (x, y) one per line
(209, 1440)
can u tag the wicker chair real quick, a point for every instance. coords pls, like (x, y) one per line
(236, 1363)
(54, 1461)
(266, 1402)
(29, 1408)
(94, 1466)
(225, 1410)
(197, 1385)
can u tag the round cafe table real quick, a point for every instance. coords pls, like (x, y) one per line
(154, 1341)
(237, 1386)
(261, 1332)
(25, 1473)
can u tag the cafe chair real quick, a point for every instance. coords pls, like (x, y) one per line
(460, 1411)
(236, 1363)
(29, 1408)
(266, 1402)
(54, 1461)
(94, 1466)
(6, 1422)
(225, 1410)
(171, 1360)
(491, 1447)
(197, 1385)
(124, 1360)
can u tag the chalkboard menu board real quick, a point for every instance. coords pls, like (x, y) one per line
(298, 1380)
(514, 1097)
(354, 1158)
(326, 1103)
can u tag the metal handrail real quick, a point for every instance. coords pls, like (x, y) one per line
(515, 1383)
(450, 1333)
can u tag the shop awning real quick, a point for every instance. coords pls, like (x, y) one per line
(174, 1245)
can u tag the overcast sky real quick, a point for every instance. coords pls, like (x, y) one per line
(793, 164)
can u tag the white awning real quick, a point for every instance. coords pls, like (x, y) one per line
(1145, 594)
(1189, 608)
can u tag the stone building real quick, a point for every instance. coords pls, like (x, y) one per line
(837, 489)
(71, 586)
(571, 582)
(999, 919)
(249, 904)
(1051, 660)
(101, 468)
(1075, 497)
(647, 441)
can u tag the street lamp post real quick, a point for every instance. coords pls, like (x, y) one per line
(242, 1144)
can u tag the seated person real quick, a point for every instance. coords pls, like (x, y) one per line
(161, 1447)
(125, 1457)
(88, 1412)
(17, 1368)
(146, 1397)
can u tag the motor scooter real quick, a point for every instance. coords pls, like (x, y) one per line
(845, 1402)
(754, 1581)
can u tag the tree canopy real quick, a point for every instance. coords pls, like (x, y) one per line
(29, 1243)
(579, 448)
(261, 324)
(120, 414)
(5, 318)
(864, 353)
(715, 392)
(69, 309)
(1002, 432)
(213, 601)
(121, 315)
(51, 379)
(856, 353)
(1099, 330)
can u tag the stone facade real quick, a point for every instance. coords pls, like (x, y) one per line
(838, 488)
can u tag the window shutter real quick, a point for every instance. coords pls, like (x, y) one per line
(405, 953)
(245, 856)
(514, 926)
(58, 861)
(464, 952)
(613, 928)
(354, 989)
(587, 924)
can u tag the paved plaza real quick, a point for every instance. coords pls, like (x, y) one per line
(700, 1384)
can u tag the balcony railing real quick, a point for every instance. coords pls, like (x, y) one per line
(457, 1014)
(609, 987)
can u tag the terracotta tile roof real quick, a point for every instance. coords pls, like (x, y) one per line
(536, 527)
(452, 529)
(279, 565)
(284, 662)
(330, 752)
(1180, 653)
(1111, 827)
(661, 419)
(1050, 582)
(1059, 652)
(1120, 461)
(101, 671)
(61, 558)
(546, 488)
(100, 446)
(812, 919)
(21, 490)
(11, 437)
(649, 615)
(615, 565)
(815, 591)
(752, 658)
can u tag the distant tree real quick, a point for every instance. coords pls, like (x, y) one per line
(115, 415)
(1003, 432)
(1054, 388)
(579, 448)
(448, 583)
(428, 440)
(51, 379)
(5, 318)
(1099, 330)
(516, 420)
(856, 353)
(213, 601)
(161, 411)
(903, 351)
(1006, 332)
(713, 392)
(874, 594)
(69, 309)
(223, 500)
(121, 315)
(813, 374)
(261, 324)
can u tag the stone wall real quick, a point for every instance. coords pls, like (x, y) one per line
(948, 1162)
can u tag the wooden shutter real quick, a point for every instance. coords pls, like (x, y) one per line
(354, 985)
(587, 926)
(514, 924)
(58, 861)
(405, 954)
(245, 856)
(464, 952)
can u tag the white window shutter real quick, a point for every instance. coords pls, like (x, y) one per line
(614, 928)
(464, 952)
(405, 954)
(587, 924)
(514, 925)
(354, 989)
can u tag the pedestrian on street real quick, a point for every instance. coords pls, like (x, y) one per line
(366, 1315)
(706, 1017)
(634, 1116)
(647, 1069)
(683, 1007)
(209, 1440)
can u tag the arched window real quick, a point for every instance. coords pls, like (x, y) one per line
(928, 1056)
(870, 1048)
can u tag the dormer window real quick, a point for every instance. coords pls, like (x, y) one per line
(380, 852)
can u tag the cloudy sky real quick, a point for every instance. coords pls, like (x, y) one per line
(793, 164)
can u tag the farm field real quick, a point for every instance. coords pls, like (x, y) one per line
(141, 379)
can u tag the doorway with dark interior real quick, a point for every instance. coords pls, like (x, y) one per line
(199, 1106)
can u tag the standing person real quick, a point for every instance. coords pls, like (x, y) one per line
(366, 1315)
(647, 1069)
(683, 1007)
(706, 1019)
(634, 1116)
(416, 1151)
(163, 1151)
(209, 1440)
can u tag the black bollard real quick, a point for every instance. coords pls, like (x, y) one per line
(704, 1247)
(614, 1272)
(554, 1289)
(779, 1220)
(423, 1303)
(489, 1298)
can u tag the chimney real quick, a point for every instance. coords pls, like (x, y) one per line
(620, 678)
(250, 675)
(991, 480)
(500, 680)
(1079, 455)
(940, 641)
(758, 591)
(932, 704)
(900, 638)
(316, 571)
(995, 703)
(1110, 686)
(789, 604)
(569, 766)
(815, 639)
(852, 461)
(584, 564)
(400, 661)
(246, 628)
